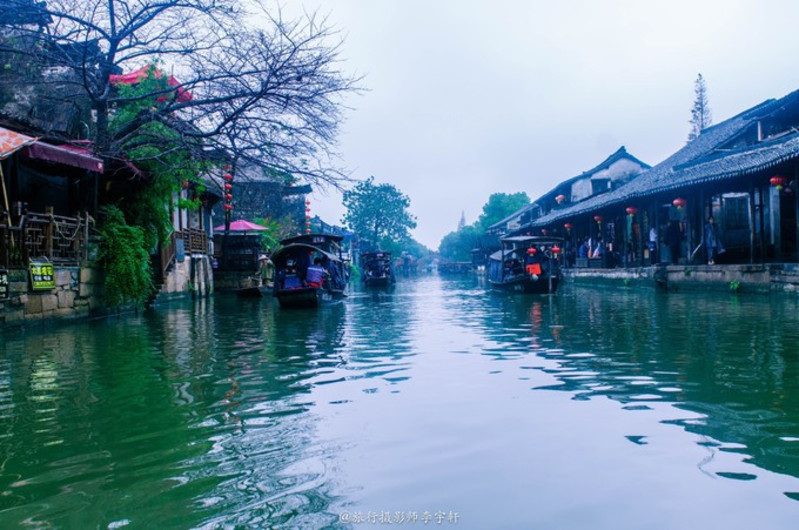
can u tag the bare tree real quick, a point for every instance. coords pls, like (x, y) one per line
(700, 112)
(235, 75)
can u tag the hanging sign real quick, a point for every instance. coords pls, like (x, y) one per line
(42, 275)
(3, 284)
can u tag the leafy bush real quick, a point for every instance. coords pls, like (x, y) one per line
(125, 261)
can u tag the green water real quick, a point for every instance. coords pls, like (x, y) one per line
(437, 404)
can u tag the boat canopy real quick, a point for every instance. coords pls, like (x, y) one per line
(313, 239)
(289, 251)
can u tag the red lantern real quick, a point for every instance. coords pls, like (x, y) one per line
(228, 196)
(531, 251)
(228, 207)
(560, 198)
(556, 250)
(228, 186)
(778, 181)
(679, 202)
(228, 176)
(568, 226)
(632, 210)
(307, 202)
(598, 218)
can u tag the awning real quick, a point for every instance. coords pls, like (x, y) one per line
(241, 225)
(69, 155)
(11, 141)
(64, 154)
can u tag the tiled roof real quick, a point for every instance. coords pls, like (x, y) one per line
(699, 161)
(621, 153)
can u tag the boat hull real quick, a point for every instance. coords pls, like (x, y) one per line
(307, 297)
(255, 291)
(541, 285)
(380, 281)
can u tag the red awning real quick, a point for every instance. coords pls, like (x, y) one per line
(64, 154)
(135, 77)
(11, 141)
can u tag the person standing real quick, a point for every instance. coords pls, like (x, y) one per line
(653, 245)
(266, 270)
(712, 241)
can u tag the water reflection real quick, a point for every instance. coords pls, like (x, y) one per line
(731, 361)
(436, 394)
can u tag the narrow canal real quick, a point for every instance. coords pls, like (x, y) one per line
(435, 405)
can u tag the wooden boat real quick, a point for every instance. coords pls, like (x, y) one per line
(296, 275)
(255, 291)
(377, 270)
(526, 264)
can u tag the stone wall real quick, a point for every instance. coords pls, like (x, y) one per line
(76, 295)
(191, 277)
(755, 278)
(78, 292)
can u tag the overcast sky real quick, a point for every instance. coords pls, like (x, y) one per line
(469, 98)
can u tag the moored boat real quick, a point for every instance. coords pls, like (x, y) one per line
(377, 270)
(310, 270)
(526, 264)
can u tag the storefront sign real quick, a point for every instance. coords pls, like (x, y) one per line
(3, 284)
(42, 275)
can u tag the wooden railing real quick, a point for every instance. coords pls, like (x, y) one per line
(167, 252)
(57, 238)
(195, 241)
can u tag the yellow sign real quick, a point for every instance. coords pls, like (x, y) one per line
(42, 276)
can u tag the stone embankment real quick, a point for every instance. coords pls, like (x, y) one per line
(759, 278)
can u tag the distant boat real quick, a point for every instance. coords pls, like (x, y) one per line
(377, 270)
(301, 284)
(526, 264)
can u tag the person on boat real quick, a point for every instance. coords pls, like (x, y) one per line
(315, 275)
(266, 270)
(289, 278)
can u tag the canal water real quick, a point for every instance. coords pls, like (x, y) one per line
(437, 404)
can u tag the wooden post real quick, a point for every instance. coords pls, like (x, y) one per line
(49, 233)
(751, 211)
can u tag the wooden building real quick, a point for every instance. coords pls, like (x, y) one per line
(743, 171)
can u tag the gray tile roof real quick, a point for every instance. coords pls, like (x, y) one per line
(698, 162)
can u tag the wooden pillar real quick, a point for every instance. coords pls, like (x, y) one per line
(762, 218)
(776, 221)
(751, 205)
(49, 231)
(795, 189)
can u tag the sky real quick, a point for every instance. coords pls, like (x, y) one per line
(467, 98)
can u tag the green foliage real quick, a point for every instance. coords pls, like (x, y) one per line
(378, 213)
(140, 220)
(458, 245)
(125, 261)
(276, 231)
(701, 117)
(161, 153)
(499, 206)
